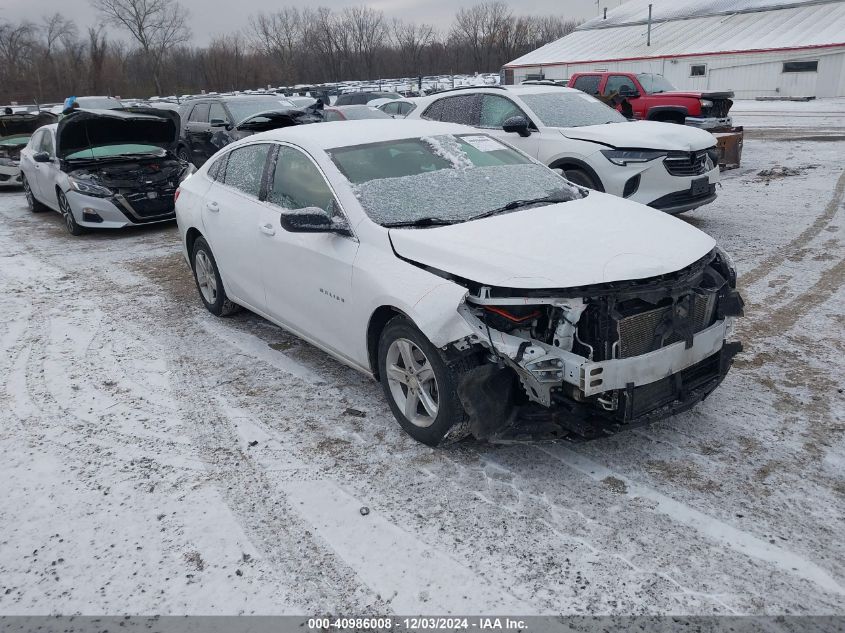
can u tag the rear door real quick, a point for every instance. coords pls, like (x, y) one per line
(231, 215)
(198, 133)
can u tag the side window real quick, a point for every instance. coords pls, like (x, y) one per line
(495, 110)
(406, 108)
(35, 141)
(459, 109)
(434, 111)
(588, 84)
(218, 168)
(217, 112)
(619, 84)
(297, 183)
(199, 114)
(331, 115)
(245, 168)
(47, 143)
(391, 108)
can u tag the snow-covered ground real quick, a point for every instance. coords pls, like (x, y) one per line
(820, 119)
(155, 459)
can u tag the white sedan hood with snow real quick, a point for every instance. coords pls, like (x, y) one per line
(597, 239)
(644, 135)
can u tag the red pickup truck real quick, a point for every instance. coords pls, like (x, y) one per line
(651, 97)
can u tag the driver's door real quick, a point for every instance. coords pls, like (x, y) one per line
(47, 173)
(495, 110)
(307, 276)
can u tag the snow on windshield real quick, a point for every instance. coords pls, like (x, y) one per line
(446, 177)
(571, 109)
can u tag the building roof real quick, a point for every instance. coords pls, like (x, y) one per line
(697, 27)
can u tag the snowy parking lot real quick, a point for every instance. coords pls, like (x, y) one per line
(156, 459)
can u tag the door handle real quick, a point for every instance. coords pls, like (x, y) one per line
(267, 229)
(212, 206)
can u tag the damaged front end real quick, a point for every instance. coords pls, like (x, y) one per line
(590, 361)
(15, 132)
(121, 164)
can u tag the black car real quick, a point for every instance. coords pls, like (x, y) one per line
(210, 123)
(363, 98)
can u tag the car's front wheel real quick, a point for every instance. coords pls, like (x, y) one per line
(31, 201)
(579, 177)
(421, 388)
(67, 215)
(183, 153)
(209, 282)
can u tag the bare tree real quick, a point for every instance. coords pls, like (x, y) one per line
(367, 33)
(278, 35)
(157, 25)
(411, 41)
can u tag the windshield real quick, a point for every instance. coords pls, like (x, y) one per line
(110, 151)
(450, 178)
(243, 108)
(571, 109)
(654, 84)
(18, 139)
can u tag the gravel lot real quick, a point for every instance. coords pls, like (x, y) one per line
(155, 459)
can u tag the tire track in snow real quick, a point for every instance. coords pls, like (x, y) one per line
(765, 267)
(715, 529)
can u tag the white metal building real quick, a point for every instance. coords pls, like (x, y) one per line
(753, 47)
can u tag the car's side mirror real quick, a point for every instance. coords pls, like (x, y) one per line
(518, 125)
(313, 220)
(219, 123)
(41, 157)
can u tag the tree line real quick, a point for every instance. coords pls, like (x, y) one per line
(48, 60)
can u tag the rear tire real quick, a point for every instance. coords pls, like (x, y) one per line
(31, 200)
(183, 154)
(412, 370)
(208, 280)
(580, 177)
(67, 215)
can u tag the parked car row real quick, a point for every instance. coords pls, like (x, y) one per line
(470, 256)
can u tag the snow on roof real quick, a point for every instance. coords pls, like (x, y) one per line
(364, 131)
(694, 27)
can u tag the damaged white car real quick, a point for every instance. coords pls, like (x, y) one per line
(488, 295)
(105, 168)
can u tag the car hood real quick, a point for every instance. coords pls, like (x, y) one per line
(643, 135)
(594, 240)
(24, 123)
(85, 129)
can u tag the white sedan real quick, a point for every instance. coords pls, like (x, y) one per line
(487, 294)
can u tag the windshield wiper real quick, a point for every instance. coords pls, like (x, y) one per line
(420, 222)
(557, 196)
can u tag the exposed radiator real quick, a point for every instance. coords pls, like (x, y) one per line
(638, 332)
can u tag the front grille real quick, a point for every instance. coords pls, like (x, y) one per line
(144, 208)
(686, 163)
(647, 331)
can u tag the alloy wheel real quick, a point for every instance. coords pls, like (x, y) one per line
(30, 199)
(67, 214)
(412, 382)
(206, 279)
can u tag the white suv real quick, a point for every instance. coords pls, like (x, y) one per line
(671, 167)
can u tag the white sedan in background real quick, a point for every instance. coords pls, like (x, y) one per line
(486, 293)
(670, 167)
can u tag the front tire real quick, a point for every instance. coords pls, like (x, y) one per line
(580, 177)
(31, 200)
(67, 215)
(208, 280)
(421, 389)
(184, 154)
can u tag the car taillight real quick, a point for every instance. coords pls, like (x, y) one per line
(176, 195)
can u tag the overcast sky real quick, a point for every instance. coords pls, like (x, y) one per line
(215, 17)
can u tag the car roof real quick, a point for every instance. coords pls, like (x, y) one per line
(360, 132)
